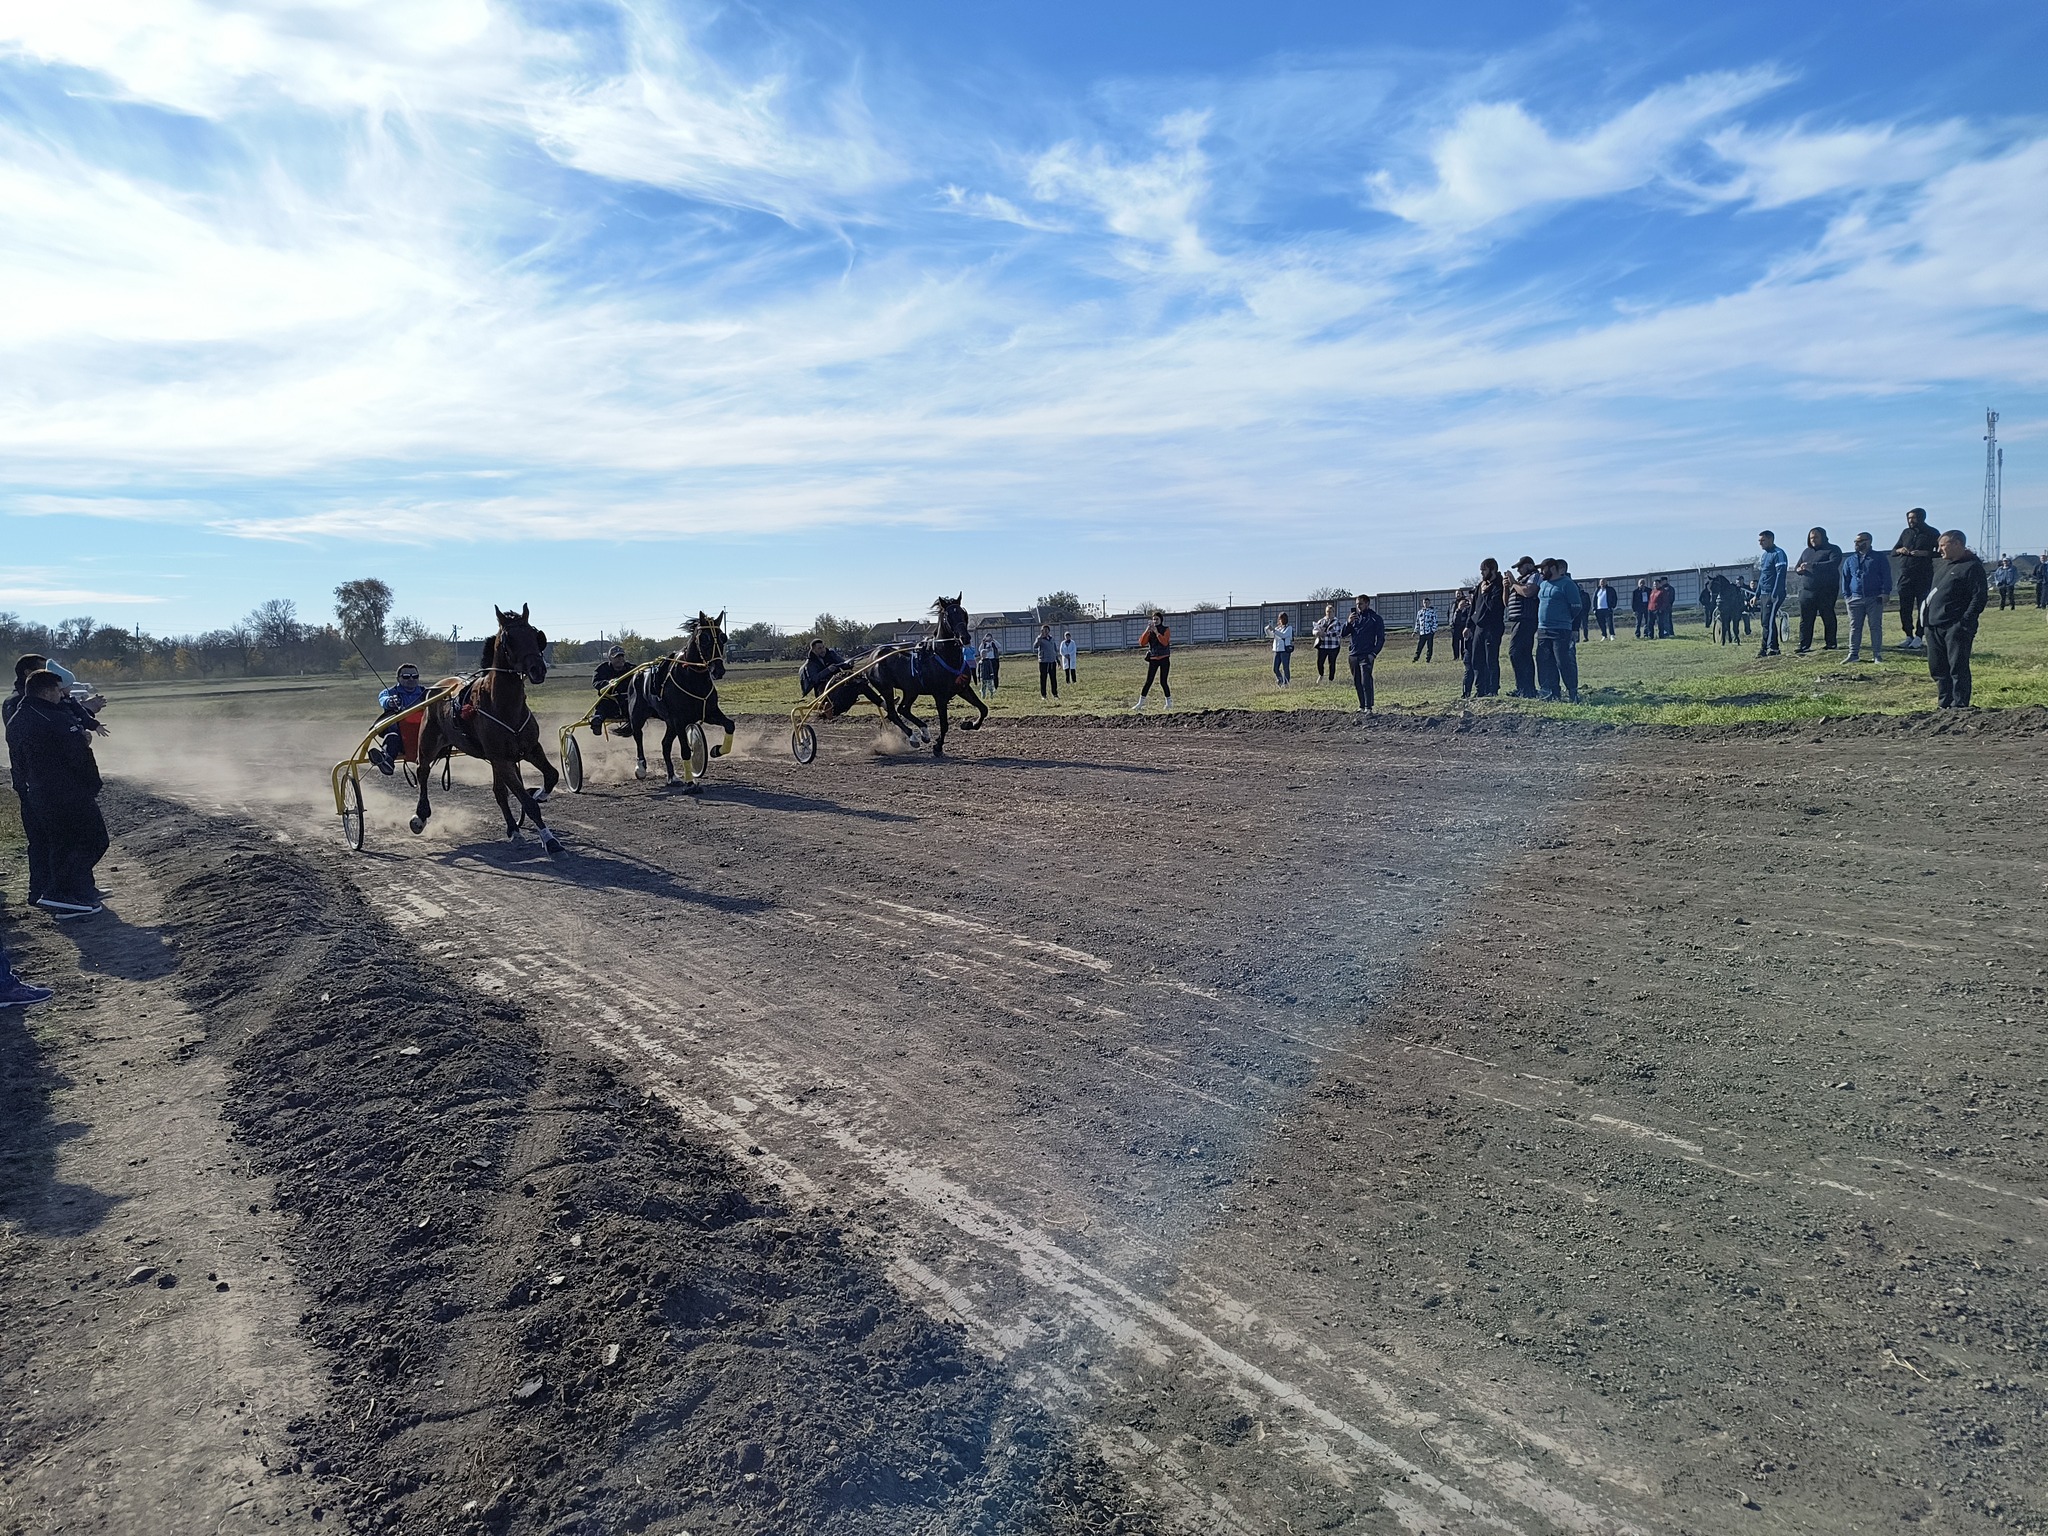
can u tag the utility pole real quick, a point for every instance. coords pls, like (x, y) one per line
(1991, 537)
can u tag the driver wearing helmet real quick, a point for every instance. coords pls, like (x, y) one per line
(393, 702)
(611, 704)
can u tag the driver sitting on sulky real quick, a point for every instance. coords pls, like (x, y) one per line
(392, 702)
(820, 667)
(611, 705)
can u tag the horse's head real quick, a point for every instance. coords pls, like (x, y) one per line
(953, 623)
(707, 643)
(521, 648)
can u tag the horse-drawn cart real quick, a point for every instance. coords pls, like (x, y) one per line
(696, 746)
(346, 777)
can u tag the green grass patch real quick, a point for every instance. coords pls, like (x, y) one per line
(1689, 680)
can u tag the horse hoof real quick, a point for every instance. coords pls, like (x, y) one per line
(938, 750)
(417, 826)
(540, 796)
(640, 772)
(693, 789)
(552, 843)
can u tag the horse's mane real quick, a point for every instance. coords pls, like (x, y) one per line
(489, 658)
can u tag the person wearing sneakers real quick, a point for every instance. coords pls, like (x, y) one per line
(1866, 583)
(1157, 642)
(1367, 632)
(401, 696)
(1916, 547)
(16, 993)
(51, 755)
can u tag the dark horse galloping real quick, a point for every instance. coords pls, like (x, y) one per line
(937, 669)
(496, 725)
(681, 691)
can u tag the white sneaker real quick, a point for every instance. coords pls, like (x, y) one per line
(1138, 708)
(1169, 701)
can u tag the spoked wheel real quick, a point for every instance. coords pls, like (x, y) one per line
(803, 743)
(572, 767)
(699, 751)
(352, 813)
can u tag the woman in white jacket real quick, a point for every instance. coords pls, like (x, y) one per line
(1283, 651)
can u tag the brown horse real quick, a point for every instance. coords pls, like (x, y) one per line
(495, 724)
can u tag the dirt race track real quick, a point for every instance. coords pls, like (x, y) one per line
(1217, 1124)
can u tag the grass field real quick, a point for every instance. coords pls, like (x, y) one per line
(1686, 681)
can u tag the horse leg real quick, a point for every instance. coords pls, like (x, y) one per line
(502, 789)
(724, 722)
(548, 776)
(939, 746)
(429, 745)
(922, 732)
(966, 691)
(529, 807)
(668, 747)
(636, 721)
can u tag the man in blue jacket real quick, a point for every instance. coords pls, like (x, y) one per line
(1866, 583)
(1367, 632)
(391, 703)
(1560, 605)
(1770, 590)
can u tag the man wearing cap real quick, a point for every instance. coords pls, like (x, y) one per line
(393, 702)
(610, 703)
(1770, 590)
(1954, 603)
(1866, 583)
(1915, 548)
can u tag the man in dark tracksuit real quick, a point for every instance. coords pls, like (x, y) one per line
(1820, 564)
(1367, 632)
(38, 841)
(1960, 592)
(1915, 549)
(610, 705)
(50, 752)
(1521, 626)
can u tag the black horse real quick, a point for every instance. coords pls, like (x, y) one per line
(936, 669)
(490, 719)
(681, 691)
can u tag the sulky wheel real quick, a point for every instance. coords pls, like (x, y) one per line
(572, 766)
(352, 812)
(698, 750)
(803, 743)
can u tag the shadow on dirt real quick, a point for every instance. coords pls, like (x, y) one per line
(596, 868)
(1068, 763)
(110, 946)
(781, 800)
(31, 1197)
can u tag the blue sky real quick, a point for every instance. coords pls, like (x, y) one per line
(624, 310)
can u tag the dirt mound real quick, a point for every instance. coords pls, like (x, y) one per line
(544, 1307)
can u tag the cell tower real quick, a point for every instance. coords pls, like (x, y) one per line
(1991, 538)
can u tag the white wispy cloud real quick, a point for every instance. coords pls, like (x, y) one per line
(1776, 167)
(1496, 160)
(1154, 202)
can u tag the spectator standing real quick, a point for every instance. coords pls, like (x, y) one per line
(2007, 579)
(1482, 646)
(1070, 655)
(991, 663)
(1367, 632)
(38, 838)
(1048, 661)
(1329, 632)
(1461, 624)
(1282, 635)
(1157, 643)
(1560, 609)
(1603, 608)
(1639, 600)
(15, 992)
(2041, 582)
(1771, 566)
(1954, 604)
(1521, 626)
(1425, 633)
(1820, 565)
(1866, 583)
(1663, 609)
(1916, 547)
(51, 751)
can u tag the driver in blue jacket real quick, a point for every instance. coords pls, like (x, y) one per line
(391, 703)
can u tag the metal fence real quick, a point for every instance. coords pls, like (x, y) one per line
(1221, 626)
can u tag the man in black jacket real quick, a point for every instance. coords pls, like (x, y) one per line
(38, 841)
(611, 702)
(1820, 564)
(51, 754)
(1915, 548)
(1959, 594)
